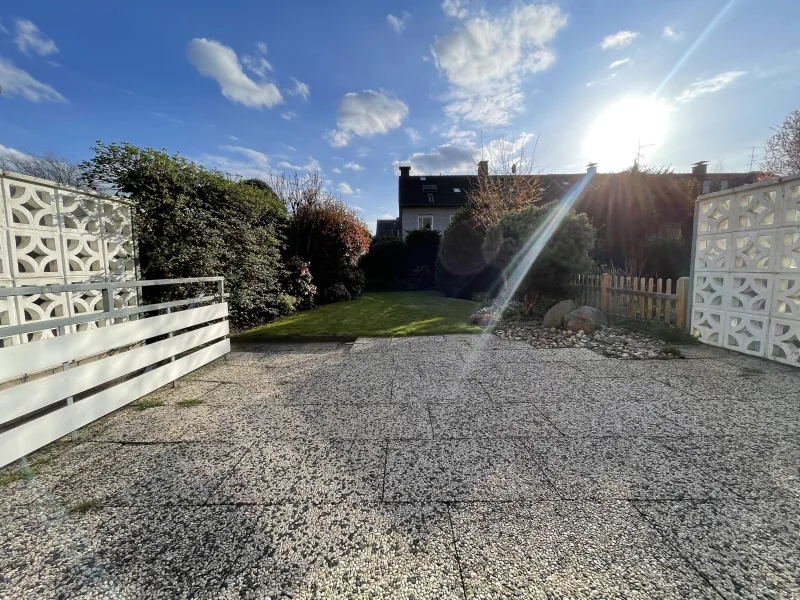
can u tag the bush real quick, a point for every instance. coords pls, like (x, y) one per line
(565, 253)
(422, 278)
(190, 222)
(422, 248)
(299, 283)
(353, 280)
(335, 293)
(384, 265)
(461, 269)
(288, 304)
(668, 258)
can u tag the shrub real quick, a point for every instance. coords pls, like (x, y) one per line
(384, 265)
(335, 293)
(299, 283)
(461, 268)
(422, 278)
(422, 248)
(353, 280)
(669, 258)
(563, 255)
(287, 303)
(190, 222)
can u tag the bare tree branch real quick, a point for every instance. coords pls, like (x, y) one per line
(782, 152)
(49, 166)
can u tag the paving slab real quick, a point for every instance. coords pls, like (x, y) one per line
(610, 418)
(489, 420)
(568, 550)
(377, 422)
(313, 470)
(473, 469)
(349, 388)
(745, 549)
(624, 468)
(183, 390)
(435, 388)
(348, 551)
(776, 416)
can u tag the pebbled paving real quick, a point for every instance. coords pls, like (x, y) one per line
(413, 468)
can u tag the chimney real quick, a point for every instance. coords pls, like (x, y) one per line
(404, 171)
(591, 168)
(483, 168)
(700, 168)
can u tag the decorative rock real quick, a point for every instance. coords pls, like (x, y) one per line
(585, 319)
(555, 316)
(482, 319)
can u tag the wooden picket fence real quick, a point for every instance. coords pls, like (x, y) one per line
(634, 297)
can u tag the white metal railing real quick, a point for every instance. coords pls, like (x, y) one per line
(151, 345)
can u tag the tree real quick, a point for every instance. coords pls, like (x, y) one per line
(506, 183)
(49, 166)
(565, 253)
(324, 232)
(782, 152)
(190, 222)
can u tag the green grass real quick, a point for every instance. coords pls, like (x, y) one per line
(146, 403)
(672, 351)
(85, 506)
(387, 314)
(655, 330)
(189, 402)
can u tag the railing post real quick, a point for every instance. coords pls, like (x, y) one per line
(682, 304)
(65, 367)
(169, 335)
(221, 290)
(605, 292)
(108, 302)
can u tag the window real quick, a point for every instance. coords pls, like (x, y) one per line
(723, 185)
(457, 190)
(430, 197)
(452, 217)
(423, 179)
(425, 222)
(706, 186)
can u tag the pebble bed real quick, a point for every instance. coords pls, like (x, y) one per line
(613, 342)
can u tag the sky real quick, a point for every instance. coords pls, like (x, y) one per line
(354, 89)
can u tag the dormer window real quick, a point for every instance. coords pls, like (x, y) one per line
(457, 190)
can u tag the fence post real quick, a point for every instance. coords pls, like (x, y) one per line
(682, 291)
(605, 292)
(65, 367)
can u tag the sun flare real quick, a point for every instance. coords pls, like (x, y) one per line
(613, 139)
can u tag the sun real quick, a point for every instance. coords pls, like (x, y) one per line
(614, 138)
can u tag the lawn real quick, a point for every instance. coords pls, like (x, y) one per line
(386, 314)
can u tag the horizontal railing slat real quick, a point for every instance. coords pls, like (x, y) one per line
(18, 361)
(24, 439)
(83, 287)
(35, 395)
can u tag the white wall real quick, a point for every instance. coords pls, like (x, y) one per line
(54, 234)
(746, 286)
(441, 217)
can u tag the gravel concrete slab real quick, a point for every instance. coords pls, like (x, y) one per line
(157, 424)
(313, 470)
(745, 466)
(641, 389)
(610, 418)
(623, 469)
(467, 470)
(349, 388)
(343, 551)
(183, 390)
(378, 422)
(746, 549)
(776, 416)
(489, 420)
(568, 550)
(547, 387)
(434, 388)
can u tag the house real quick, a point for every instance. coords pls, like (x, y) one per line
(432, 201)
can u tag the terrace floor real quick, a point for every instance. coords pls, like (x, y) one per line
(433, 467)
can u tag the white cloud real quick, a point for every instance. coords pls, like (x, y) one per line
(11, 152)
(618, 63)
(353, 166)
(245, 162)
(3, 28)
(398, 23)
(232, 137)
(453, 8)
(300, 89)
(16, 82)
(426, 59)
(590, 84)
(365, 114)
(618, 40)
(447, 158)
(288, 115)
(336, 170)
(29, 38)
(709, 86)
(213, 59)
(261, 47)
(486, 57)
(671, 34)
(344, 188)
(413, 134)
(311, 166)
(258, 64)
(337, 138)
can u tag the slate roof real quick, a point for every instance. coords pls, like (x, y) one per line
(387, 227)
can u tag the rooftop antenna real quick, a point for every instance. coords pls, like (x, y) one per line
(639, 152)
(753, 156)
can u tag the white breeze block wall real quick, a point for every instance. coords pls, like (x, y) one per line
(746, 288)
(54, 234)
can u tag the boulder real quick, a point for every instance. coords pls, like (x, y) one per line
(586, 318)
(555, 316)
(482, 319)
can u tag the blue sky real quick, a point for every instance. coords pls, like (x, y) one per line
(354, 89)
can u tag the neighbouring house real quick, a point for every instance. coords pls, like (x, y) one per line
(432, 201)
